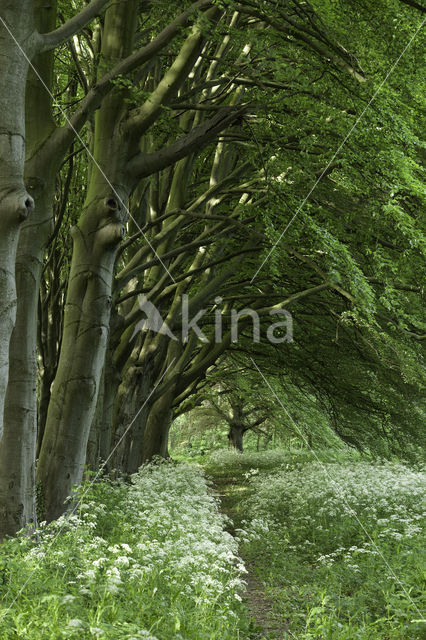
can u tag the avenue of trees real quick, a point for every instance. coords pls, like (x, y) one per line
(165, 152)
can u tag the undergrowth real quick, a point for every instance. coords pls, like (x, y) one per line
(145, 561)
(337, 542)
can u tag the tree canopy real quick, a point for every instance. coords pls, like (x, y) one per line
(190, 170)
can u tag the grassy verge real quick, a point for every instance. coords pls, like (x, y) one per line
(142, 561)
(337, 542)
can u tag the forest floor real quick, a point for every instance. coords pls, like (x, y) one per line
(265, 624)
(318, 545)
(333, 543)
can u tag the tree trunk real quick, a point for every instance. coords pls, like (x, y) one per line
(18, 445)
(43, 404)
(137, 431)
(235, 436)
(15, 202)
(131, 410)
(18, 448)
(156, 437)
(112, 381)
(86, 322)
(92, 450)
(88, 305)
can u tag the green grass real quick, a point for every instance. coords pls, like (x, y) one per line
(337, 542)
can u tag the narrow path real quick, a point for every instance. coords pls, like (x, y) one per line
(266, 625)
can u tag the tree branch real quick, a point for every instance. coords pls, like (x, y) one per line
(71, 27)
(146, 164)
(313, 43)
(142, 118)
(63, 136)
(416, 5)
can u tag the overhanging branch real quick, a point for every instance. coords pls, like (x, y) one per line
(63, 33)
(146, 164)
(415, 5)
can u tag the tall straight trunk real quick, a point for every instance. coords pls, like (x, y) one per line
(15, 202)
(88, 304)
(86, 322)
(18, 447)
(20, 42)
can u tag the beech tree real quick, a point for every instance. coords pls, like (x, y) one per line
(117, 168)
(20, 42)
(189, 158)
(27, 33)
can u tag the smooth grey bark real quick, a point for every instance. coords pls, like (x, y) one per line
(75, 390)
(16, 204)
(18, 447)
(88, 304)
(92, 450)
(20, 42)
(112, 379)
(99, 447)
(96, 239)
